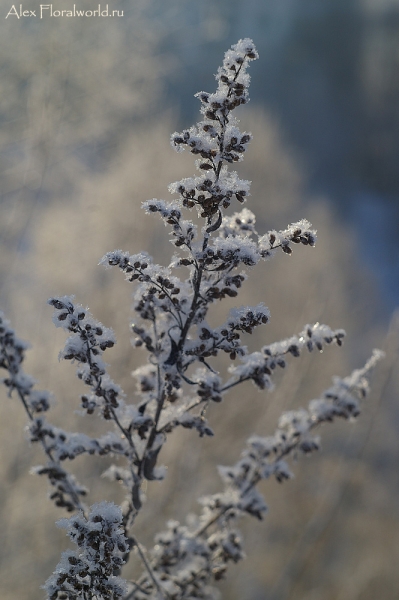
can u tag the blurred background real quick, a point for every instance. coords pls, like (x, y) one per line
(87, 106)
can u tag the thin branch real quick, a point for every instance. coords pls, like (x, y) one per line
(147, 566)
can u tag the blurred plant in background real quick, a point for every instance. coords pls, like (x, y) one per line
(83, 141)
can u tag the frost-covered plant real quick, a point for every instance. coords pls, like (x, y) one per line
(179, 378)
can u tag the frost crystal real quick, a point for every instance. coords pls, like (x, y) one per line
(91, 570)
(179, 380)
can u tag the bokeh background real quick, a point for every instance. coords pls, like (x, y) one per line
(87, 106)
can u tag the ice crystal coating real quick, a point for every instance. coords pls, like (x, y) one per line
(91, 570)
(179, 379)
